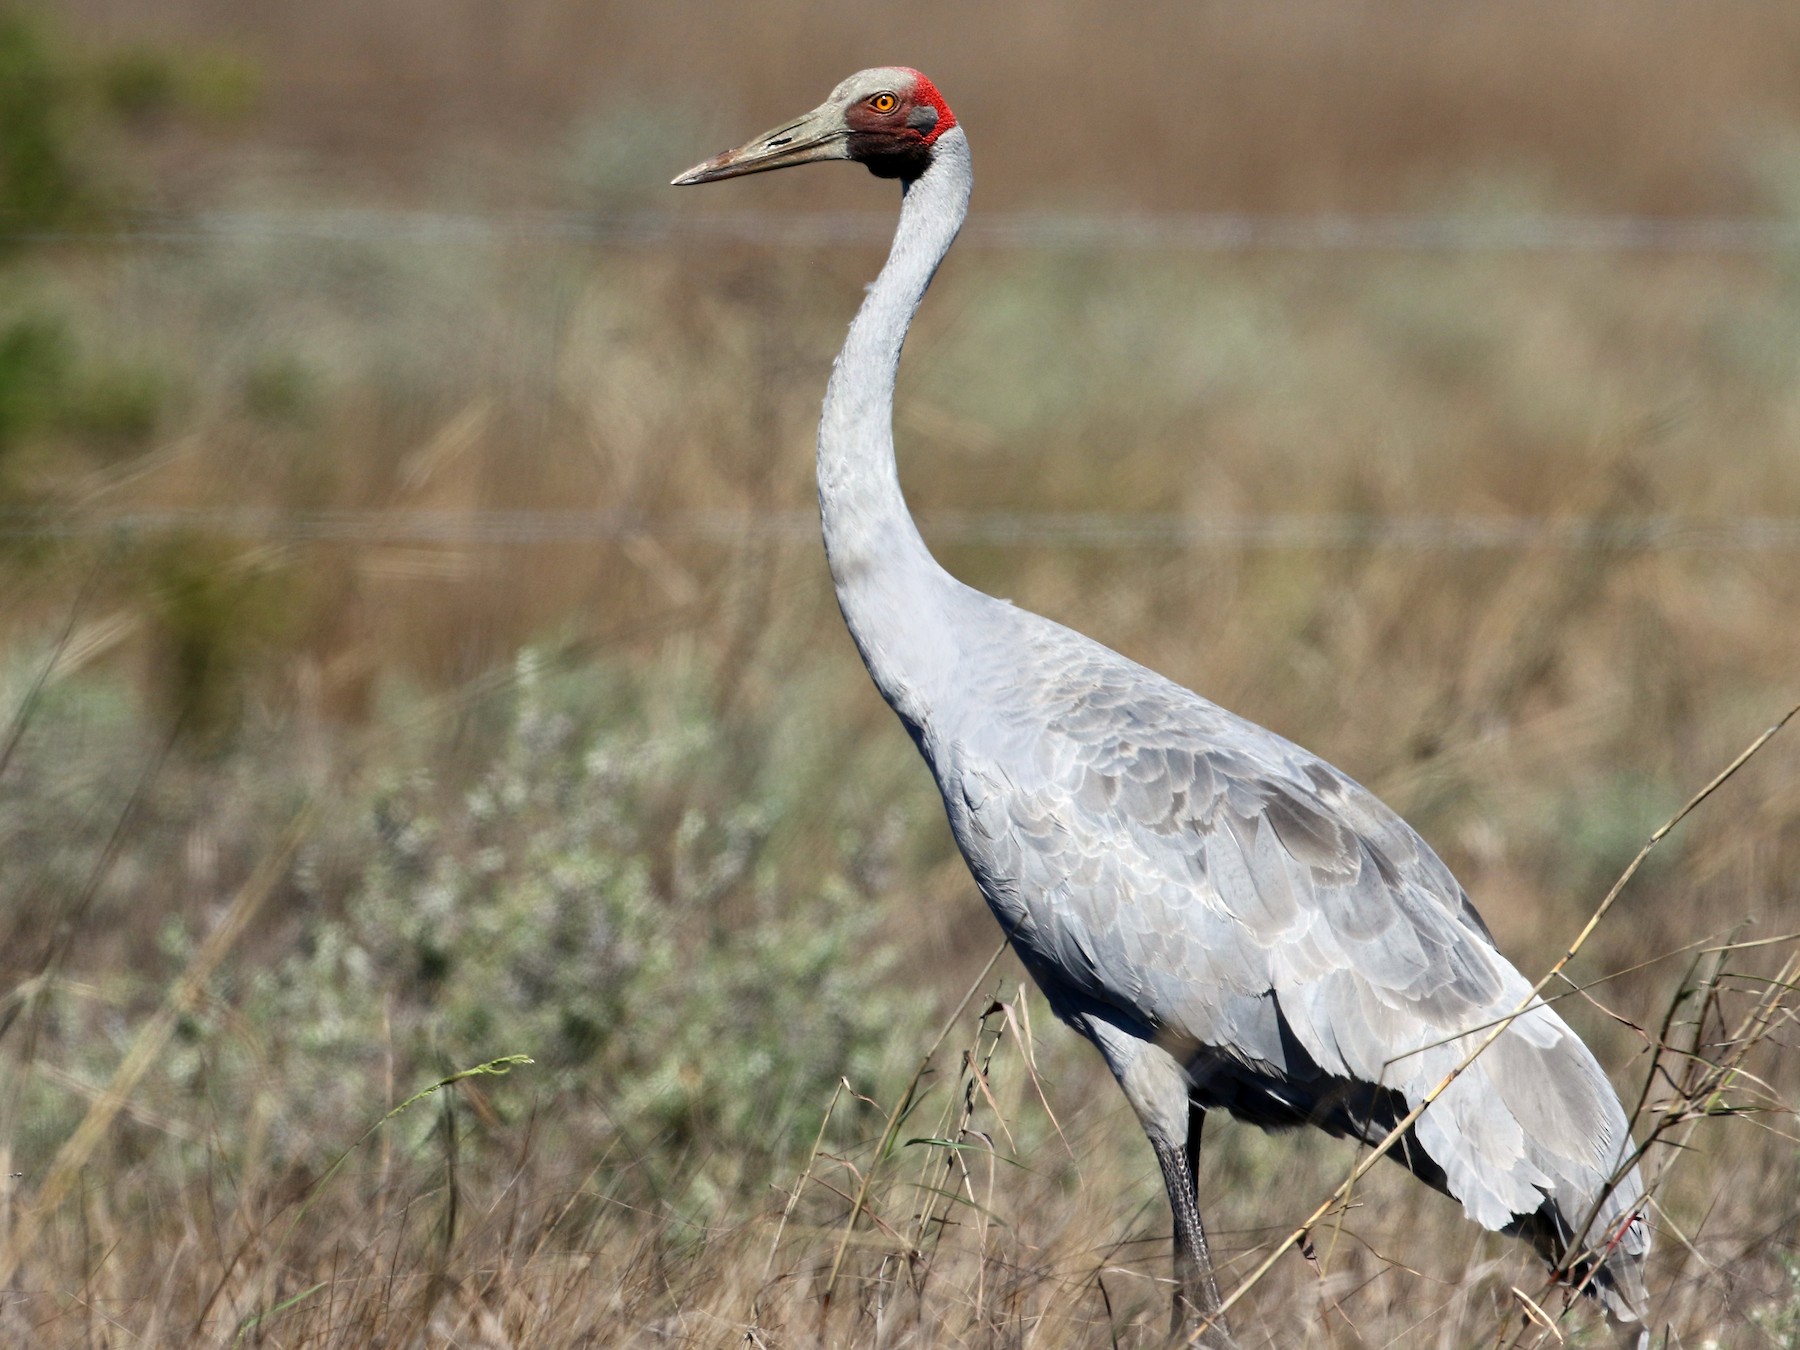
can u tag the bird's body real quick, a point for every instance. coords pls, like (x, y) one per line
(1234, 923)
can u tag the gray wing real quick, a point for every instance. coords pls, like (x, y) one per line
(1226, 890)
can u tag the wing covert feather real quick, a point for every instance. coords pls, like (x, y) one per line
(1227, 891)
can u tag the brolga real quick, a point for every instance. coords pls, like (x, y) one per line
(1235, 924)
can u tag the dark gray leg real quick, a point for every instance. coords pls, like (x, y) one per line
(1196, 1293)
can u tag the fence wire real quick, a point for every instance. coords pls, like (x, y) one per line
(1202, 232)
(1215, 232)
(949, 528)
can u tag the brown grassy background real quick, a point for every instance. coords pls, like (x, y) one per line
(1290, 105)
(1534, 709)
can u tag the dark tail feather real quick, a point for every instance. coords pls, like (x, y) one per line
(1611, 1270)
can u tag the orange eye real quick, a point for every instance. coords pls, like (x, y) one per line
(883, 103)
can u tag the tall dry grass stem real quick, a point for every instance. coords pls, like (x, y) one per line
(183, 995)
(1379, 1150)
(901, 1105)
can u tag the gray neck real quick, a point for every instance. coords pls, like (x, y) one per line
(893, 594)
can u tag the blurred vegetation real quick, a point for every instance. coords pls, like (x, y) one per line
(570, 901)
(141, 84)
(625, 803)
(57, 174)
(44, 179)
(43, 185)
(73, 397)
(61, 164)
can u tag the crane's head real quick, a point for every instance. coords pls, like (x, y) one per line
(887, 118)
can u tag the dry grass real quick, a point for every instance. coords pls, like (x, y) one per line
(711, 764)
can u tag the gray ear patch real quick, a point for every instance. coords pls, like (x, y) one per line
(923, 117)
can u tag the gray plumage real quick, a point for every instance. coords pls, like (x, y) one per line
(1233, 922)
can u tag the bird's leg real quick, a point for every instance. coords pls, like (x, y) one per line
(1205, 1293)
(1196, 1293)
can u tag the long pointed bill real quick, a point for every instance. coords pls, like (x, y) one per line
(821, 134)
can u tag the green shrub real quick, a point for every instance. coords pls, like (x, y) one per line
(213, 613)
(119, 407)
(34, 367)
(280, 390)
(43, 182)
